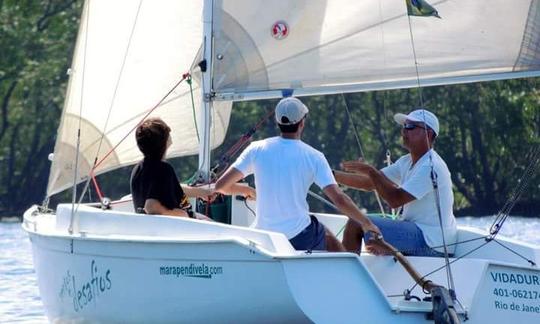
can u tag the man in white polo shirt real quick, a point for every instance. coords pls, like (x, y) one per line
(284, 169)
(407, 185)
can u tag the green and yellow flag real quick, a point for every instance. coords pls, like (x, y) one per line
(421, 8)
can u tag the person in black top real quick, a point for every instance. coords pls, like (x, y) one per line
(154, 185)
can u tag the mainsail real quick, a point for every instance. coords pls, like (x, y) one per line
(129, 54)
(350, 45)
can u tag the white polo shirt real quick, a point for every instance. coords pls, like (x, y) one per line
(284, 170)
(416, 180)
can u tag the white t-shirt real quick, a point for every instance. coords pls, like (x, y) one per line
(284, 170)
(416, 180)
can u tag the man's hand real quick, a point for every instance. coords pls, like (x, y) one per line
(394, 195)
(370, 227)
(204, 192)
(250, 193)
(374, 246)
(358, 166)
(211, 197)
(378, 246)
(208, 194)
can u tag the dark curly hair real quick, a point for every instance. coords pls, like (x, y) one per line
(152, 136)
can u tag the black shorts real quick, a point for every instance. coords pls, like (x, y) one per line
(311, 237)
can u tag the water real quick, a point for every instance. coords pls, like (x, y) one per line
(19, 295)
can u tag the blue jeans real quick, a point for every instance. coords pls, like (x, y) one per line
(405, 236)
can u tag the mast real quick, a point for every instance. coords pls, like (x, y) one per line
(207, 93)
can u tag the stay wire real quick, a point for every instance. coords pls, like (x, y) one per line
(83, 192)
(531, 262)
(189, 81)
(487, 240)
(407, 251)
(419, 88)
(357, 137)
(77, 152)
(504, 213)
(451, 262)
(523, 182)
(91, 176)
(433, 174)
(120, 74)
(388, 160)
(355, 131)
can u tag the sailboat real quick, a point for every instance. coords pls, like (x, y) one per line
(102, 262)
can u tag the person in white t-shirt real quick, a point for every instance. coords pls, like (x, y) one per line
(408, 186)
(284, 168)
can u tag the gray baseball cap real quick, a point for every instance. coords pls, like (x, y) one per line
(290, 111)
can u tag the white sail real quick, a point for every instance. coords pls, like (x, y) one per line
(351, 45)
(129, 54)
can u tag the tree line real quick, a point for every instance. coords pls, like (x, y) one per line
(487, 129)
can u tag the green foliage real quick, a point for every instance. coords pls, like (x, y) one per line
(491, 128)
(37, 39)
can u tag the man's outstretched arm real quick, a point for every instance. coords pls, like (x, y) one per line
(227, 184)
(354, 180)
(348, 208)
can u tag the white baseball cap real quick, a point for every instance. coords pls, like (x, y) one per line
(290, 111)
(420, 115)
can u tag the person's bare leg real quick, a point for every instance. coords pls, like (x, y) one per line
(352, 237)
(332, 243)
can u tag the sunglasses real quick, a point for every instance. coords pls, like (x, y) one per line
(409, 126)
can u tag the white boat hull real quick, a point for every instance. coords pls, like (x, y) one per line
(221, 273)
(161, 282)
